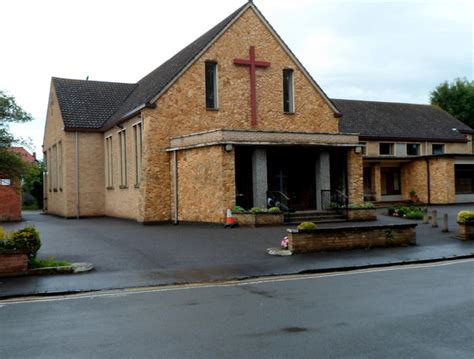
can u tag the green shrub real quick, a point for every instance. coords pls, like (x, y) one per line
(307, 226)
(414, 215)
(274, 210)
(256, 210)
(366, 205)
(334, 205)
(237, 209)
(26, 239)
(464, 216)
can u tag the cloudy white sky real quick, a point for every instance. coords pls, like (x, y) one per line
(395, 50)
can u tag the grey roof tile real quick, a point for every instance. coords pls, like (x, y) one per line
(88, 104)
(390, 120)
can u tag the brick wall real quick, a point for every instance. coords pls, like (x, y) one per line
(355, 187)
(10, 201)
(206, 184)
(327, 239)
(13, 263)
(442, 180)
(181, 110)
(414, 178)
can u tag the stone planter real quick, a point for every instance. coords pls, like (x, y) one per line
(13, 263)
(258, 219)
(466, 230)
(360, 214)
(351, 237)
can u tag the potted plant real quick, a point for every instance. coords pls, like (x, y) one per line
(413, 197)
(465, 220)
(16, 249)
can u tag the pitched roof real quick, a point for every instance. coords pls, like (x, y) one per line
(157, 80)
(120, 101)
(88, 104)
(389, 120)
(25, 155)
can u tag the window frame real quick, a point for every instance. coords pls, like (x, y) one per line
(418, 149)
(391, 144)
(109, 165)
(137, 130)
(215, 85)
(442, 146)
(288, 91)
(123, 158)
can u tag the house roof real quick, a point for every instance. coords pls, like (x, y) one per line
(88, 104)
(25, 155)
(399, 121)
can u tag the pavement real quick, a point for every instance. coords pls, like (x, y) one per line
(127, 254)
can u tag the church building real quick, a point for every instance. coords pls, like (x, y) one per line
(233, 118)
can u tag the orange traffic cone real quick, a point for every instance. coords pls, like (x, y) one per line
(229, 222)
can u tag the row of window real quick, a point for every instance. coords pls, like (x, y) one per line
(404, 149)
(53, 161)
(137, 138)
(212, 88)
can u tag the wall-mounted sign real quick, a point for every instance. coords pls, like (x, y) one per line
(5, 182)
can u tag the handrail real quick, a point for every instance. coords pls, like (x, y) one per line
(281, 194)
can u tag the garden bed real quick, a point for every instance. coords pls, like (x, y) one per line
(259, 219)
(360, 214)
(351, 237)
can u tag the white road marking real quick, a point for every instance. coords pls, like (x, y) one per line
(229, 283)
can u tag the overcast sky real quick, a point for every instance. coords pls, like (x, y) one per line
(356, 49)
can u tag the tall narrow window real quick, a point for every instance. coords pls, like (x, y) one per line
(47, 164)
(288, 91)
(54, 167)
(137, 149)
(60, 165)
(123, 158)
(211, 86)
(109, 173)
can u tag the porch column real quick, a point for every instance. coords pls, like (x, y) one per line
(323, 177)
(259, 178)
(376, 181)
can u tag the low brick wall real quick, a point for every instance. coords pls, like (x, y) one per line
(352, 237)
(361, 214)
(13, 263)
(466, 231)
(261, 219)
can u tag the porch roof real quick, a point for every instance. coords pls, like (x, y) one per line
(259, 138)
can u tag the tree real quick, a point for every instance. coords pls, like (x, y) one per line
(456, 98)
(11, 165)
(33, 182)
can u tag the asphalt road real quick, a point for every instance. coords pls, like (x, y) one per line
(403, 312)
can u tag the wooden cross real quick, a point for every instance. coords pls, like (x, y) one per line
(253, 64)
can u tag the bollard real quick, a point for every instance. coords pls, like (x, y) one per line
(445, 223)
(434, 218)
(425, 216)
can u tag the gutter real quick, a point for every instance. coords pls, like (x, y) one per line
(175, 186)
(428, 179)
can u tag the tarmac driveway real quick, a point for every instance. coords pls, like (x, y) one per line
(128, 254)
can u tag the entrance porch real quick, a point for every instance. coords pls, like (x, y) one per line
(296, 178)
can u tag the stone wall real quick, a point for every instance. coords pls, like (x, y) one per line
(361, 214)
(341, 238)
(355, 186)
(442, 180)
(181, 109)
(414, 178)
(10, 201)
(206, 184)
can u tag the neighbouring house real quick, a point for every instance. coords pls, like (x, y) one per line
(10, 190)
(234, 117)
(411, 148)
